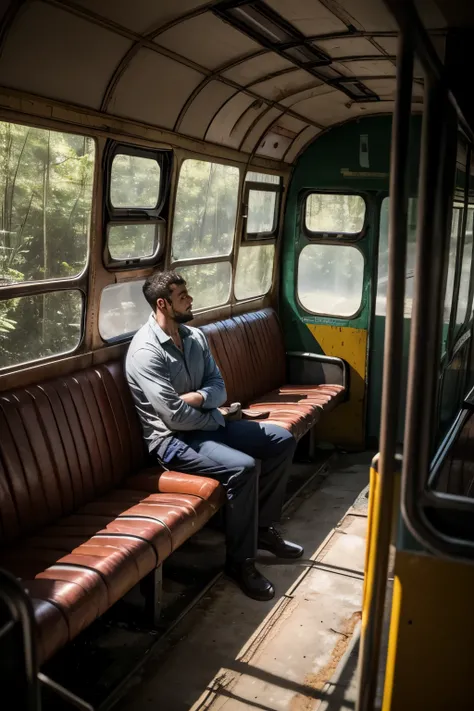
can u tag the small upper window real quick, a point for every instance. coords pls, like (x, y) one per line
(46, 199)
(262, 192)
(335, 214)
(205, 211)
(134, 241)
(135, 182)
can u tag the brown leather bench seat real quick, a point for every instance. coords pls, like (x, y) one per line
(296, 388)
(74, 526)
(82, 518)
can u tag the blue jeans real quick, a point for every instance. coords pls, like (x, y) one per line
(251, 460)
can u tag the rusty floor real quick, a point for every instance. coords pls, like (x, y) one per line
(296, 653)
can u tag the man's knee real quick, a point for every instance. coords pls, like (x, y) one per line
(281, 439)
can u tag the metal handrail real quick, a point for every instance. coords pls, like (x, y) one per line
(381, 524)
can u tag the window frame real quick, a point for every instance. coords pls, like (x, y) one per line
(335, 237)
(176, 264)
(249, 245)
(323, 314)
(79, 282)
(256, 186)
(135, 215)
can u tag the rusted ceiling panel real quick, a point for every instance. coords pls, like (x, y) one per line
(154, 89)
(204, 107)
(257, 68)
(300, 142)
(226, 119)
(347, 47)
(45, 53)
(207, 40)
(276, 88)
(257, 131)
(368, 68)
(140, 15)
(309, 16)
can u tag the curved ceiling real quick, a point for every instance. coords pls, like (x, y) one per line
(260, 77)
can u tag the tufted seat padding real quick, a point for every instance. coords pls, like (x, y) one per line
(250, 352)
(74, 525)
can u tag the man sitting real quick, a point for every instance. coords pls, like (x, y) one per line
(179, 392)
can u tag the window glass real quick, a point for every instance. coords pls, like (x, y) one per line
(382, 274)
(134, 182)
(123, 309)
(453, 244)
(261, 216)
(330, 279)
(337, 214)
(46, 197)
(205, 211)
(38, 326)
(208, 284)
(263, 178)
(254, 272)
(465, 271)
(134, 241)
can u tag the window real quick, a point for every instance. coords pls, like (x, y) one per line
(123, 309)
(382, 274)
(208, 284)
(136, 192)
(465, 281)
(135, 182)
(46, 180)
(254, 271)
(139, 241)
(46, 197)
(40, 325)
(205, 210)
(334, 213)
(449, 293)
(262, 202)
(330, 279)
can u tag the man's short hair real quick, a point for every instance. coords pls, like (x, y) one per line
(158, 286)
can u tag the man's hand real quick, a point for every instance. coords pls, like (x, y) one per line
(194, 399)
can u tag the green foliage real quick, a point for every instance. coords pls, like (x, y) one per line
(45, 203)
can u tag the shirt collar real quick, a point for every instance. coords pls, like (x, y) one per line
(161, 335)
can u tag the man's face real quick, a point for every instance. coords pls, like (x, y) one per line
(179, 307)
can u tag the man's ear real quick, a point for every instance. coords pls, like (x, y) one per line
(160, 303)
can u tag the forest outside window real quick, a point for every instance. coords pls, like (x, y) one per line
(261, 205)
(204, 228)
(334, 214)
(46, 198)
(46, 180)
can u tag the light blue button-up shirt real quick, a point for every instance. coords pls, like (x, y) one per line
(158, 373)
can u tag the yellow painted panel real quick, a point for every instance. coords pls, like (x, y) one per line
(346, 425)
(430, 654)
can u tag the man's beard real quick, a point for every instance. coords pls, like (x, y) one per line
(183, 318)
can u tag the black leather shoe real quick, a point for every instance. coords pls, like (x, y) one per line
(251, 582)
(269, 539)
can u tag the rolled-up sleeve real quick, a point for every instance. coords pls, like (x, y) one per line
(149, 370)
(213, 387)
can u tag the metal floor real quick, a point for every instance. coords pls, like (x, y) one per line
(295, 653)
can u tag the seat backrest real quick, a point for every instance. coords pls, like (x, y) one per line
(63, 443)
(250, 353)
